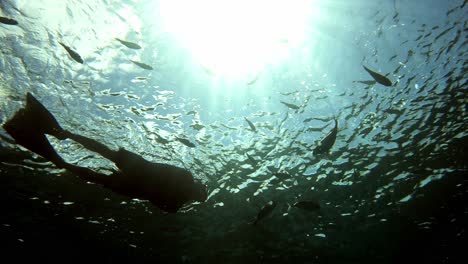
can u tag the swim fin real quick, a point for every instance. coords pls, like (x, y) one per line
(22, 129)
(41, 118)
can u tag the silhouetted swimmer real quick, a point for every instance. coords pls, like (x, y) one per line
(167, 187)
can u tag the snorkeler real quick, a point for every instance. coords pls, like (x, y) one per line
(167, 187)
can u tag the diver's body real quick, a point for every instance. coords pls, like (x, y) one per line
(166, 186)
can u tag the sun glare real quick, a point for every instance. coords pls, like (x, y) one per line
(237, 38)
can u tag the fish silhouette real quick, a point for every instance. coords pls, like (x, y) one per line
(129, 44)
(72, 53)
(8, 21)
(327, 142)
(142, 65)
(292, 106)
(252, 127)
(266, 210)
(378, 77)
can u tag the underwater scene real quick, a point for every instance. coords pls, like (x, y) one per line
(170, 131)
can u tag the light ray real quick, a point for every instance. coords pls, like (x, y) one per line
(237, 38)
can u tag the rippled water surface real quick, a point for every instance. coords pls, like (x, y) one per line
(392, 188)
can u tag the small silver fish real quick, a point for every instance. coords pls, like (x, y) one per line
(254, 80)
(142, 65)
(252, 127)
(129, 44)
(72, 53)
(369, 82)
(292, 106)
(378, 77)
(250, 158)
(186, 142)
(208, 71)
(327, 142)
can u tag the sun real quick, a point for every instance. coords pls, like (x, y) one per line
(237, 38)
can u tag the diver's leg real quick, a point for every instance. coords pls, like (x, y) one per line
(36, 118)
(89, 175)
(128, 162)
(28, 128)
(92, 145)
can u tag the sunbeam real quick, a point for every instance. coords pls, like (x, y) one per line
(235, 38)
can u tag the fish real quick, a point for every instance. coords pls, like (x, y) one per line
(186, 142)
(208, 71)
(266, 210)
(356, 175)
(142, 65)
(250, 158)
(308, 205)
(369, 82)
(254, 80)
(161, 140)
(378, 77)
(288, 93)
(282, 175)
(139, 79)
(252, 127)
(292, 106)
(128, 44)
(72, 53)
(327, 142)
(8, 21)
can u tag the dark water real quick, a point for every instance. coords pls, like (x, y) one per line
(393, 188)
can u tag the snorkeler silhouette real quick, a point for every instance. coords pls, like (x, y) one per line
(167, 187)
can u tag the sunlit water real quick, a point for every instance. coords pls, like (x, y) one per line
(392, 187)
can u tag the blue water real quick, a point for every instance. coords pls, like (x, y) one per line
(392, 187)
